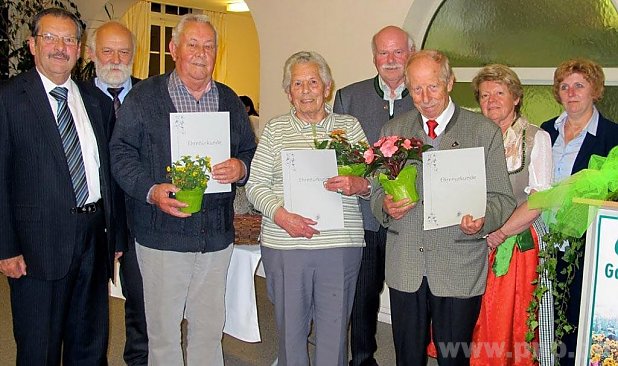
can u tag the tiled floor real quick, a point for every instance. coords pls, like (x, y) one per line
(237, 353)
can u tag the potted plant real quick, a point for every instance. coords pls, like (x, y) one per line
(388, 158)
(191, 175)
(350, 160)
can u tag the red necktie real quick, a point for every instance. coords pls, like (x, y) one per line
(431, 124)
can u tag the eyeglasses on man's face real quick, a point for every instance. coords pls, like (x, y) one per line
(49, 38)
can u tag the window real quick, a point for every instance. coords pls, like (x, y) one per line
(163, 18)
(531, 39)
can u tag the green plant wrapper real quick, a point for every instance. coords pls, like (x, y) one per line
(597, 182)
(356, 170)
(504, 253)
(404, 186)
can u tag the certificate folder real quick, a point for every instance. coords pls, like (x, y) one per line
(454, 185)
(304, 173)
(203, 134)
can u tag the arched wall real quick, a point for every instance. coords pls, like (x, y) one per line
(419, 18)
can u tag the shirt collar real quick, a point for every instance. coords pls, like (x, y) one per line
(175, 82)
(322, 125)
(49, 85)
(591, 127)
(103, 85)
(126, 86)
(443, 119)
(387, 90)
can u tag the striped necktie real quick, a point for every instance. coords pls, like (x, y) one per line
(71, 145)
(115, 92)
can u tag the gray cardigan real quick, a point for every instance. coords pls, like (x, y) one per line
(140, 152)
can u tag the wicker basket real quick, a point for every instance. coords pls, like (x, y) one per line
(248, 229)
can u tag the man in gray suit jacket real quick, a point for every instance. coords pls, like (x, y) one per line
(374, 102)
(436, 278)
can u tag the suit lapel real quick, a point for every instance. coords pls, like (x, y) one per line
(450, 140)
(585, 151)
(415, 128)
(34, 89)
(590, 146)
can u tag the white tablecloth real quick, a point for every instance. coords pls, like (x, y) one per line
(241, 319)
(115, 290)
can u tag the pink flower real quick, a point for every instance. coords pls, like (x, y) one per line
(380, 141)
(390, 154)
(388, 148)
(369, 156)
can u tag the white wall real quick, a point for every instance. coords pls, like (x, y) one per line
(339, 30)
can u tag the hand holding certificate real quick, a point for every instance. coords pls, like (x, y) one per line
(203, 134)
(304, 173)
(454, 185)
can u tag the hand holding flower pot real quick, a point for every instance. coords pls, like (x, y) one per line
(191, 175)
(388, 157)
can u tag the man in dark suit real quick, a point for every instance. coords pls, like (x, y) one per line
(374, 102)
(112, 48)
(436, 277)
(62, 217)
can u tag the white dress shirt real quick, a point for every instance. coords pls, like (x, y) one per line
(87, 139)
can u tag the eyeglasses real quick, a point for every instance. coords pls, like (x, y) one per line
(49, 38)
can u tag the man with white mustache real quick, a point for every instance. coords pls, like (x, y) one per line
(374, 102)
(112, 48)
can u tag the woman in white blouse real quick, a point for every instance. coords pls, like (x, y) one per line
(515, 246)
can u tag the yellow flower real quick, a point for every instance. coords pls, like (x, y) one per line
(595, 358)
(189, 173)
(596, 349)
